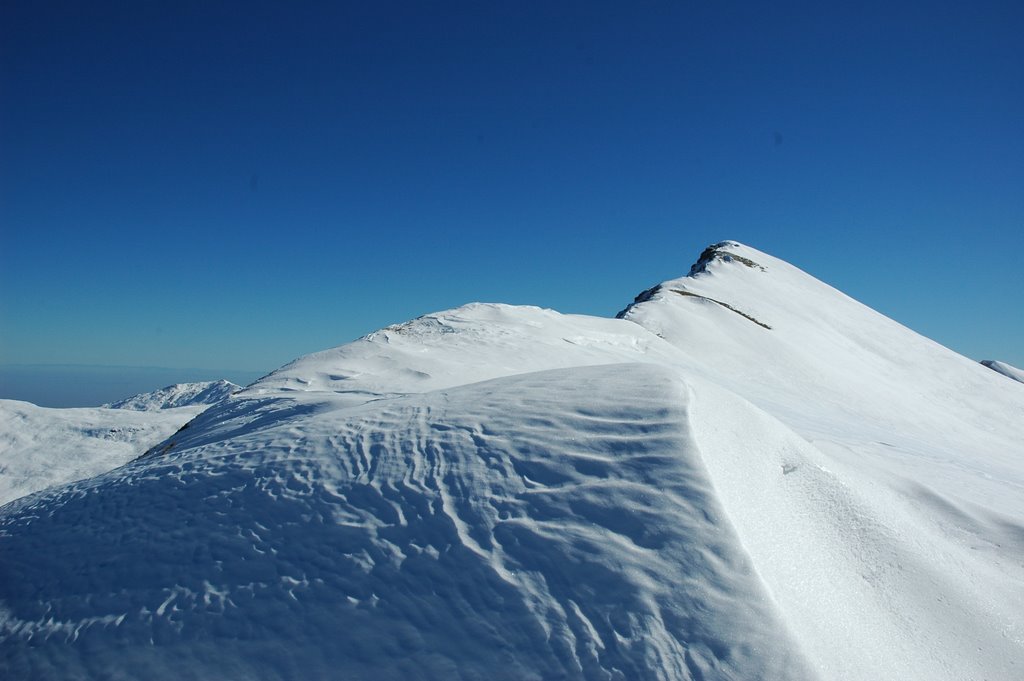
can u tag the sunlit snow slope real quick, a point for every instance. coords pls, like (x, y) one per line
(750, 476)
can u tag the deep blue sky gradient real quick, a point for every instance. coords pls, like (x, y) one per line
(232, 185)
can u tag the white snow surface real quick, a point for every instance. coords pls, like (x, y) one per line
(507, 492)
(41, 447)
(1005, 369)
(178, 395)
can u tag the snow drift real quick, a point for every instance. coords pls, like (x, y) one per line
(748, 476)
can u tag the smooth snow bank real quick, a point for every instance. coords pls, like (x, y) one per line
(1005, 369)
(178, 395)
(41, 447)
(535, 526)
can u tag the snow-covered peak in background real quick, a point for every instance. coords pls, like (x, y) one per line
(1005, 369)
(747, 475)
(812, 355)
(178, 395)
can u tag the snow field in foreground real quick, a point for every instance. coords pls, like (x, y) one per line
(407, 538)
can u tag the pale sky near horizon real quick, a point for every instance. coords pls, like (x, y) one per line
(230, 186)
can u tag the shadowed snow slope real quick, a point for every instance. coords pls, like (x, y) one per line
(750, 476)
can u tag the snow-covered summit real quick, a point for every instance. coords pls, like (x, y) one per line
(725, 251)
(178, 395)
(748, 475)
(785, 340)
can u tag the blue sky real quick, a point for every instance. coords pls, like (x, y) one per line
(232, 185)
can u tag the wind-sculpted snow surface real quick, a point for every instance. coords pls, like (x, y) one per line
(749, 476)
(536, 526)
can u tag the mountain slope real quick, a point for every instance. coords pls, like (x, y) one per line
(749, 476)
(925, 447)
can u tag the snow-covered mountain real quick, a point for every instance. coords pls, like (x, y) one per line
(178, 395)
(747, 476)
(1005, 369)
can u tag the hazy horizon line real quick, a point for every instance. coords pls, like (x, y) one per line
(82, 365)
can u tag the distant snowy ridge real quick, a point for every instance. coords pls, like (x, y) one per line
(178, 395)
(41, 447)
(748, 476)
(1005, 369)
